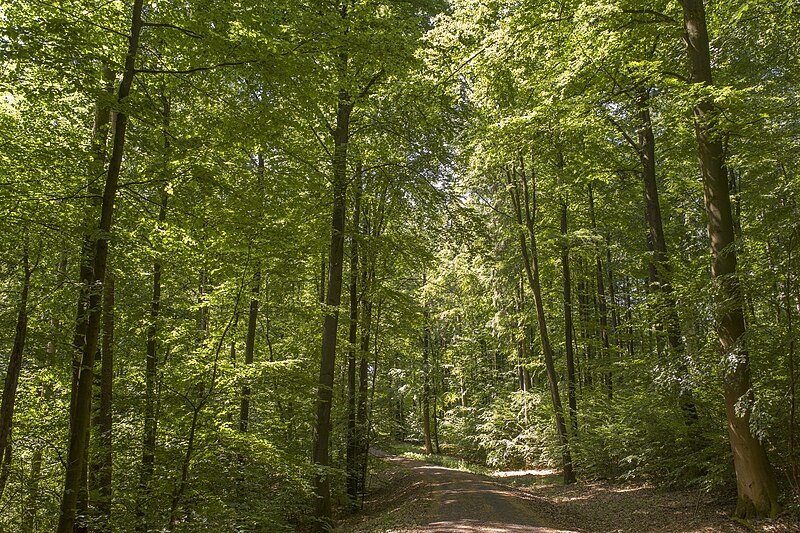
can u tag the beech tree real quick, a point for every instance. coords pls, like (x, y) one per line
(507, 195)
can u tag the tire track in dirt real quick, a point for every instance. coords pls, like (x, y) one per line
(464, 502)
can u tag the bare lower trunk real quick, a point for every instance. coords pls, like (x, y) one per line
(83, 391)
(151, 360)
(426, 416)
(13, 371)
(100, 472)
(524, 201)
(756, 485)
(660, 270)
(602, 309)
(568, 343)
(341, 135)
(249, 350)
(352, 441)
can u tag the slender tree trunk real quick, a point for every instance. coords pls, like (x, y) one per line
(99, 143)
(362, 429)
(587, 327)
(526, 217)
(756, 484)
(426, 416)
(435, 395)
(83, 391)
(32, 499)
(249, 350)
(659, 267)
(101, 468)
(341, 138)
(352, 441)
(602, 308)
(791, 364)
(13, 370)
(568, 342)
(151, 359)
(187, 461)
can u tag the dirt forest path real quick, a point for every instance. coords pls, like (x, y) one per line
(412, 496)
(461, 501)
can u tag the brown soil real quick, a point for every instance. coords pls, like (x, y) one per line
(410, 496)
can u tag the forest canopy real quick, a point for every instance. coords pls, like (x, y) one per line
(243, 242)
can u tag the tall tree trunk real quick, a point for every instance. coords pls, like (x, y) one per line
(83, 391)
(13, 370)
(568, 328)
(105, 470)
(99, 144)
(791, 364)
(755, 480)
(524, 202)
(426, 341)
(100, 468)
(249, 350)
(659, 267)
(362, 429)
(352, 442)
(602, 308)
(587, 328)
(151, 359)
(341, 138)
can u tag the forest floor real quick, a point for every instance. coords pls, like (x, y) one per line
(412, 496)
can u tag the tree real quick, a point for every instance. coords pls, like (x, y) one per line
(756, 485)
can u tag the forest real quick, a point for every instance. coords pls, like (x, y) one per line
(245, 242)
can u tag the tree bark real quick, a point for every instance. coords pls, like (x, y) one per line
(100, 472)
(426, 341)
(659, 267)
(151, 359)
(602, 308)
(320, 457)
(83, 391)
(755, 480)
(352, 442)
(249, 351)
(13, 371)
(526, 217)
(568, 328)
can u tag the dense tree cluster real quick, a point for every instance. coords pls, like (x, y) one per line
(244, 241)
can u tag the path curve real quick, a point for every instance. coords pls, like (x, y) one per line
(465, 502)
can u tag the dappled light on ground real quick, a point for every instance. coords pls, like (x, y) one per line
(416, 497)
(524, 473)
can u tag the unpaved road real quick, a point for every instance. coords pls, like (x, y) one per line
(410, 496)
(461, 501)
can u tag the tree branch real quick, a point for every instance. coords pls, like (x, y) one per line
(196, 69)
(190, 33)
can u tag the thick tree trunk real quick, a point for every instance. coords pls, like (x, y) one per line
(13, 370)
(249, 351)
(341, 138)
(756, 485)
(526, 216)
(83, 391)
